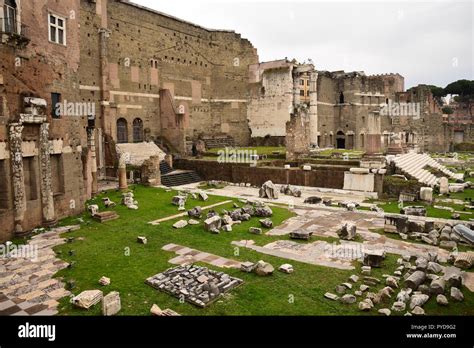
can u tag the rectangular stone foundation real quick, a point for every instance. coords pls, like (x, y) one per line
(106, 216)
(199, 286)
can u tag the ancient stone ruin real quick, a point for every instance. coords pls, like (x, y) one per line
(199, 286)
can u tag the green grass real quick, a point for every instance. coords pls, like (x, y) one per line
(100, 251)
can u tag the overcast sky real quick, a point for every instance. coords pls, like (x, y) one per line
(428, 42)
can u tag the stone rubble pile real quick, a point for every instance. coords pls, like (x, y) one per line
(445, 235)
(197, 285)
(415, 281)
(129, 201)
(290, 191)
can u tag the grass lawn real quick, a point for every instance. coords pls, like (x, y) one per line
(99, 250)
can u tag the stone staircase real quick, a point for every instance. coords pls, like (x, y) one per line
(180, 177)
(414, 165)
(218, 142)
(171, 177)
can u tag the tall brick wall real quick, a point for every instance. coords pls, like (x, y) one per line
(206, 71)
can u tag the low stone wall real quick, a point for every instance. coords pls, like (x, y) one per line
(326, 176)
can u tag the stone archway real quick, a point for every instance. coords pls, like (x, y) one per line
(340, 140)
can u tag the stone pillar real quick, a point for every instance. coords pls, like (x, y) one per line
(296, 90)
(91, 145)
(18, 177)
(47, 198)
(150, 171)
(313, 107)
(169, 160)
(122, 173)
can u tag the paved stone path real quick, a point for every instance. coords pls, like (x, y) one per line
(316, 253)
(27, 286)
(172, 217)
(188, 255)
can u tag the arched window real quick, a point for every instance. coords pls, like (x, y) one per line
(122, 131)
(137, 130)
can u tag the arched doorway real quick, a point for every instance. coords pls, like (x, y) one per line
(137, 130)
(122, 131)
(340, 140)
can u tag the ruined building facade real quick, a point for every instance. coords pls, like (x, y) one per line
(123, 73)
(42, 155)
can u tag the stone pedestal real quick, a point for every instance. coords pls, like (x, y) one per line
(122, 173)
(373, 144)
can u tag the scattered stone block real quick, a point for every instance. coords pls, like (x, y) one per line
(108, 203)
(290, 191)
(213, 224)
(263, 269)
(399, 306)
(418, 311)
(348, 299)
(414, 211)
(374, 258)
(255, 230)
(366, 305)
(464, 260)
(366, 270)
(426, 194)
(415, 280)
(301, 234)
(264, 211)
(104, 281)
(266, 223)
(87, 299)
(111, 304)
(313, 200)
(202, 196)
(331, 296)
(193, 222)
(105, 216)
(442, 300)
(268, 190)
(247, 267)
(353, 278)
(348, 231)
(195, 213)
(286, 268)
(180, 224)
(418, 300)
(93, 209)
(178, 201)
(142, 240)
(385, 311)
(227, 228)
(456, 294)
